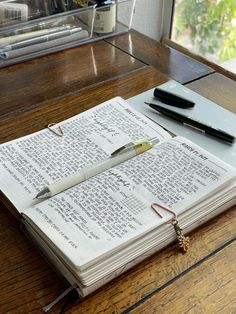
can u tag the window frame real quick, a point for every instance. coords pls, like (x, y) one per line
(167, 18)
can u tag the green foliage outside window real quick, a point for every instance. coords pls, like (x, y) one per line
(210, 25)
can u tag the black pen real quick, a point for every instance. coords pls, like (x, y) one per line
(172, 99)
(204, 128)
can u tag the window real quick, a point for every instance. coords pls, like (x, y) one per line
(205, 27)
(153, 17)
(208, 28)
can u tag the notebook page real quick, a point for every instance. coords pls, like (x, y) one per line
(30, 163)
(107, 212)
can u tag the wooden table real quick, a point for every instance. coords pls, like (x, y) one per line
(56, 87)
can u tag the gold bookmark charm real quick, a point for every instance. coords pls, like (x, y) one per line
(182, 240)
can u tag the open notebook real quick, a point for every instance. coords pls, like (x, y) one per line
(96, 230)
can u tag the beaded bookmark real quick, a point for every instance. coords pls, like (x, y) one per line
(183, 241)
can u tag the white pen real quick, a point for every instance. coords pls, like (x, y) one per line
(40, 39)
(4, 41)
(124, 153)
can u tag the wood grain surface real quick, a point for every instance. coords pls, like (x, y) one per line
(56, 110)
(217, 88)
(169, 61)
(26, 280)
(195, 291)
(50, 77)
(216, 67)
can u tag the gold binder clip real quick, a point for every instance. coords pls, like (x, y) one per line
(182, 240)
(58, 132)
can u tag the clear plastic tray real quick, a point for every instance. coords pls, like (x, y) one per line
(29, 29)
